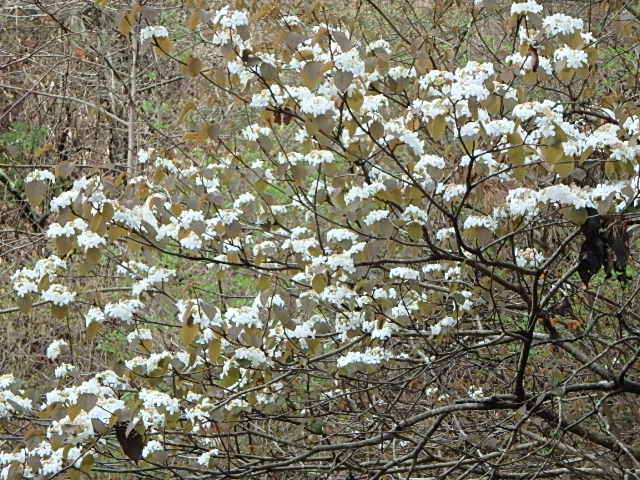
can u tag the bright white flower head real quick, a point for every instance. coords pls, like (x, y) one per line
(570, 57)
(316, 105)
(191, 241)
(140, 334)
(55, 348)
(123, 310)
(474, 221)
(350, 62)
(561, 24)
(375, 216)
(255, 356)
(63, 370)
(528, 258)
(404, 273)
(529, 6)
(153, 31)
(89, 239)
(40, 175)
(59, 295)
(372, 356)
(151, 447)
(206, 457)
(6, 381)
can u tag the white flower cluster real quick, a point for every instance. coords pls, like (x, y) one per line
(316, 104)
(11, 403)
(123, 310)
(150, 363)
(154, 275)
(103, 385)
(371, 356)
(64, 369)
(525, 63)
(205, 458)
(136, 217)
(56, 230)
(476, 221)
(526, 202)
(245, 316)
(198, 314)
(139, 335)
(561, 24)
(40, 176)
(528, 258)
(55, 349)
(145, 155)
(571, 58)
(362, 193)
(26, 280)
(380, 332)
(153, 399)
(40, 461)
(521, 8)
(350, 62)
(151, 447)
(231, 18)
(446, 322)
(59, 295)
(341, 234)
(89, 239)
(375, 216)
(253, 355)
(94, 315)
(191, 242)
(153, 31)
(404, 273)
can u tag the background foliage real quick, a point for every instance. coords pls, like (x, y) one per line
(328, 239)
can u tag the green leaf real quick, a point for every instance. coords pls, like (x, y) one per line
(35, 192)
(232, 376)
(213, 351)
(575, 215)
(312, 75)
(319, 282)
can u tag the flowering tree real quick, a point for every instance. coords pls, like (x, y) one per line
(404, 258)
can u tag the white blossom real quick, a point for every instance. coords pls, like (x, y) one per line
(528, 258)
(561, 24)
(90, 239)
(372, 356)
(361, 193)
(316, 105)
(153, 31)
(40, 175)
(340, 234)
(253, 355)
(204, 458)
(529, 6)
(140, 334)
(154, 398)
(123, 310)
(375, 216)
(151, 447)
(475, 221)
(404, 273)
(6, 380)
(59, 295)
(350, 62)
(56, 230)
(94, 315)
(570, 57)
(55, 348)
(63, 370)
